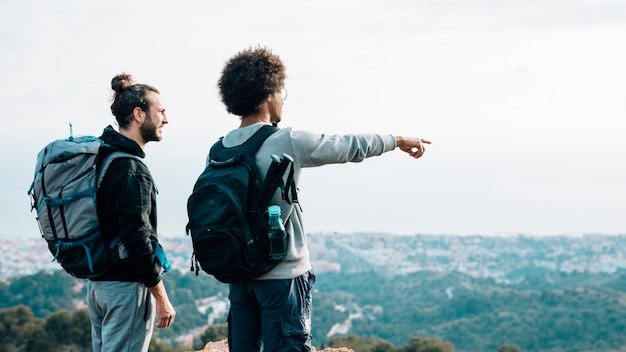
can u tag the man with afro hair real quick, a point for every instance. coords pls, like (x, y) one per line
(273, 312)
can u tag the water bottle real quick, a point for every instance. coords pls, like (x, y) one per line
(277, 235)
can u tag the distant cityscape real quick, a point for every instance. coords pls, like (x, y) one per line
(505, 258)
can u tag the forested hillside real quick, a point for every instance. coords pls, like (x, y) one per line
(548, 311)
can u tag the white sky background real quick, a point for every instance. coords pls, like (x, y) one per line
(524, 102)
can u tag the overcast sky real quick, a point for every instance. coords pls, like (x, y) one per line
(524, 102)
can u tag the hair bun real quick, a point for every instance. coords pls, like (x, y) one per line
(121, 82)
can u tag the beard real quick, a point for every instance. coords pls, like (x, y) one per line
(149, 131)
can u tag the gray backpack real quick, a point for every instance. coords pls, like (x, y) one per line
(67, 176)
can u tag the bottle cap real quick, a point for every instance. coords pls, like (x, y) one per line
(273, 210)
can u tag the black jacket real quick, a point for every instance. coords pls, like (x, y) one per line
(126, 202)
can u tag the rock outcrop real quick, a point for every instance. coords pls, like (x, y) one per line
(222, 346)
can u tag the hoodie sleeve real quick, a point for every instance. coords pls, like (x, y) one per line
(314, 149)
(135, 207)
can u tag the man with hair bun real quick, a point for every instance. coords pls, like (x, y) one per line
(122, 302)
(273, 312)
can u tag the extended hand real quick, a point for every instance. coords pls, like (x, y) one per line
(413, 146)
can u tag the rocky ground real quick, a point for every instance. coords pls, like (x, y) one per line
(222, 346)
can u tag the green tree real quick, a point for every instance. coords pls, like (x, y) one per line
(383, 346)
(212, 333)
(360, 344)
(157, 345)
(424, 344)
(80, 331)
(508, 347)
(352, 341)
(44, 292)
(15, 324)
(59, 326)
(36, 338)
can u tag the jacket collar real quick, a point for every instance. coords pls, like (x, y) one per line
(116, 140)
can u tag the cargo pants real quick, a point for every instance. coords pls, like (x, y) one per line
(271, 315)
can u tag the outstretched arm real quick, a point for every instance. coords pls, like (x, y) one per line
(413, 146)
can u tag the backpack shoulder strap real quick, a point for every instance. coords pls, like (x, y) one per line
(108, 159)
(253, 144)
(220, 156)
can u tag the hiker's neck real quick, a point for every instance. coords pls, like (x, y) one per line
(254, 118)
(267, 114)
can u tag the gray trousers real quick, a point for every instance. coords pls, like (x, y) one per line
(122, 316)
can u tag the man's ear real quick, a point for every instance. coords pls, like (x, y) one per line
(137, 114)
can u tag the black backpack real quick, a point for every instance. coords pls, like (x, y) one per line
(227, 210)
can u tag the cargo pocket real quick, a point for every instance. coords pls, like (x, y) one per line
(296, 335)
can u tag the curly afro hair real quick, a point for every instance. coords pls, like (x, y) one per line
(248, 78)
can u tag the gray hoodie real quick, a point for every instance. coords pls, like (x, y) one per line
(309, 150)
